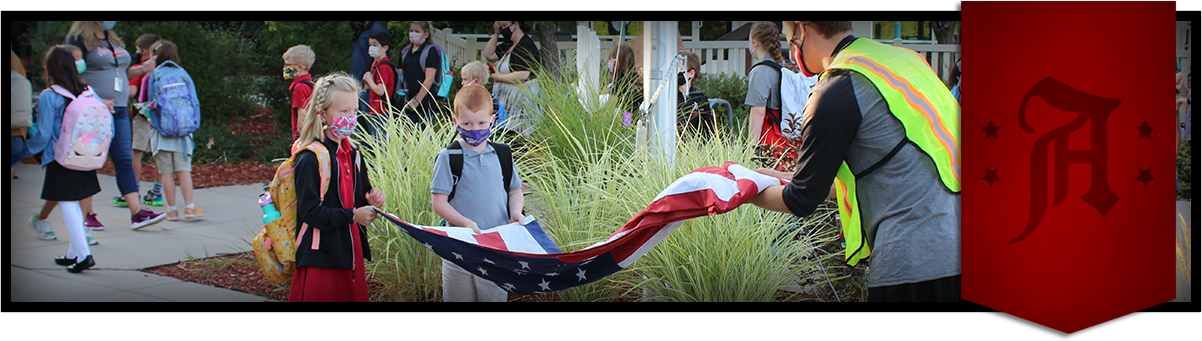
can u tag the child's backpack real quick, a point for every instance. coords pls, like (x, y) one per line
(504, 154)
(275, 245)
(397, 98)
(175, 110)
(442, 79)
(797, 87)
(83, 141)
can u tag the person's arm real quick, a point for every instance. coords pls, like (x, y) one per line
(758, 94)
(443, 209)
(512, 77)
(135, 72)
(833, 117)
(755, 124)
(490, 48)
(369, 80)
(517, 201)
(50, 106)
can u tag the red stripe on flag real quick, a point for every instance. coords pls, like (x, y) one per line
(435, 231)
(492, 240)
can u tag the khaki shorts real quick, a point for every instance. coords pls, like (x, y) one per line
(141, 133)
(171, 162)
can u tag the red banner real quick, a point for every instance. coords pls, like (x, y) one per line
(1069, 140)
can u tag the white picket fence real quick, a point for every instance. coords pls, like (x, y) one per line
(718, 57)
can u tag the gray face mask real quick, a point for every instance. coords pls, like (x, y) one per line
(107, 25)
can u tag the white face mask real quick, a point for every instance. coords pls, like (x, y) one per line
(416, 38)
(373, 51)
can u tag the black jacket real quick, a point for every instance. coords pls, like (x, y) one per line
(328, 217)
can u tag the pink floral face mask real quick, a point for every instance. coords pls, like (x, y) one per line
(342, 127)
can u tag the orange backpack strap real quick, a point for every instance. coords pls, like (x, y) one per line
(323, 166)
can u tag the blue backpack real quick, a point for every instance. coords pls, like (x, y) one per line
(174, 110)
(442, 79)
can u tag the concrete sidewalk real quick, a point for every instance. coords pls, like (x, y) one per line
(233, 217)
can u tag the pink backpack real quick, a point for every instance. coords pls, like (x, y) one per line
(83, 142)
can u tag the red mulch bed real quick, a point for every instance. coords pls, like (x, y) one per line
(234, 271)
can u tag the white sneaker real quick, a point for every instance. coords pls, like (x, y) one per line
(87, 234)
(42, 227)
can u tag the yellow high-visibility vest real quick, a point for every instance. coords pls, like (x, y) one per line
(924, 106)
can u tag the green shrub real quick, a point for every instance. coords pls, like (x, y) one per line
(733, 89)
(217, 59)
(331, 43)
(1185, 168)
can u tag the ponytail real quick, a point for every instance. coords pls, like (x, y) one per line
(767, 34)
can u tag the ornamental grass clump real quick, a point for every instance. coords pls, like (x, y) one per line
(401, 163)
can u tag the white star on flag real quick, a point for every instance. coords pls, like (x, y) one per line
(508, 287)
(553, 274)
(580, 274)
(428, 246)
(489, 261)
(525, 265)
(457, 256)
(545, 285)
(520, 271)
(482, 271)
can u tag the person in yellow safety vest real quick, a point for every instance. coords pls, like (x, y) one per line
(880, 133)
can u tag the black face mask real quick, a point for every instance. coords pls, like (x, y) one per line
(507, 32)
(680, 79)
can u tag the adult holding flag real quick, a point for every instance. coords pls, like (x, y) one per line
(882, 128)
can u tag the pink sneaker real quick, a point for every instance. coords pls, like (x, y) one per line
(145, 218)
(92, 223)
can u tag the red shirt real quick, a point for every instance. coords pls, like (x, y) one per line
(300, 94)
(300, 98)
(387, 76)
(346, 185)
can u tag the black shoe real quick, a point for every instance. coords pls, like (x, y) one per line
(63, 260)
(81, 265)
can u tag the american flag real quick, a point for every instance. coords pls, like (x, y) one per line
(523, 260)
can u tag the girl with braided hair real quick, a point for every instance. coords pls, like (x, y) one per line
(763, 95)
(334, 270)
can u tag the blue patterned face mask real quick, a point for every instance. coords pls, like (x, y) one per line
(475, 137)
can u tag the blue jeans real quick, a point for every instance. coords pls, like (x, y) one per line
(121, 151)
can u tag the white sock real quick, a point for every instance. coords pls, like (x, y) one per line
(73, 218)
(192, 206)
(170, 208)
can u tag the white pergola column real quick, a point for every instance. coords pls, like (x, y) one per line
(659, 49)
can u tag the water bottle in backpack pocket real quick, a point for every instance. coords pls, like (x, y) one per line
(176, 111)
(87, 130)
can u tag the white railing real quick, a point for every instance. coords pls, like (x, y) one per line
(718, 57)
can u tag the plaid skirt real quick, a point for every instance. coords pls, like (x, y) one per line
(519, 102)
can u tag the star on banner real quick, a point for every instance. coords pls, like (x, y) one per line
(1145, 175)
(991, 130)
(580, 274)
(991, 176)
(1144, 130)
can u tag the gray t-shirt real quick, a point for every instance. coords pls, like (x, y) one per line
(763, 83)
(916, 221)
(479, 195)
(106, 71)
